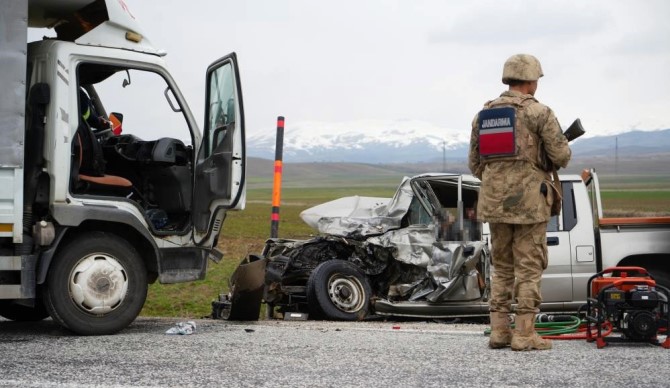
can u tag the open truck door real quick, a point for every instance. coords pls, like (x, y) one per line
(220, 170)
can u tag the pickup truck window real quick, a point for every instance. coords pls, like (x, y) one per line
(569, 207)
(569, 211)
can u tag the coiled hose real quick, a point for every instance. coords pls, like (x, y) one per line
(565, 327)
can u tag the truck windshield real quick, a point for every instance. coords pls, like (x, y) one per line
(146, 112)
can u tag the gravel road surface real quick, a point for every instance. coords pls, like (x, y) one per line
(311, 354)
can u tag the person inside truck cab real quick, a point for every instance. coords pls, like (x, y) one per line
(89, 113)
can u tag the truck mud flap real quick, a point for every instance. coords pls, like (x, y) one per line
(243, 302)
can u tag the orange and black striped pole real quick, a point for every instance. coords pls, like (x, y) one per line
(276, 188)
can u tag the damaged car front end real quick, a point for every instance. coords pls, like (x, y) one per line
(421, 253)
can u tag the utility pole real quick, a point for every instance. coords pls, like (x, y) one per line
(616, 156)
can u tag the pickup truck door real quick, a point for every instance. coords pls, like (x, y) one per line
(557, 278)
(220, 166)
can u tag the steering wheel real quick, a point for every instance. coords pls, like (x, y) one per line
(99, 133)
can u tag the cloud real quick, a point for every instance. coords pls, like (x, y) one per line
(431, 61)
(514, 22)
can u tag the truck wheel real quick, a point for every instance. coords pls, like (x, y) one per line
(96, 285)
(338, 290)
(21, 313)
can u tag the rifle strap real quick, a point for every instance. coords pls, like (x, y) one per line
(556, 185)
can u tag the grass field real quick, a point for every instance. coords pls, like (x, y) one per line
(245, 232)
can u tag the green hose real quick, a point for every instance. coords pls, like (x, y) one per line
(553, 328)
(558, 328)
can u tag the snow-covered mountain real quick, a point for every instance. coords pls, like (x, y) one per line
(412, 141)
(361, 141)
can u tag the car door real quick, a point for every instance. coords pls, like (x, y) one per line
(219, 183)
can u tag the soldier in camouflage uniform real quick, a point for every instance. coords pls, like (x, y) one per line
(513, 140)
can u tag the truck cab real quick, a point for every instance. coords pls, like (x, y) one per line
(114, 185)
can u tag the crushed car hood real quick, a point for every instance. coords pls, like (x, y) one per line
(360, 216)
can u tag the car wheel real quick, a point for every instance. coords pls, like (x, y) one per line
(96, 285)
(338, 290)
(21, 313)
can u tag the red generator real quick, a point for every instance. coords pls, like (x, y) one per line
(631, 301)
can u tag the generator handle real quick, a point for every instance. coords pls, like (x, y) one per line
(648, 282)
(638, 270)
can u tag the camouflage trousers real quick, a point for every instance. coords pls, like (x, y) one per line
(518, 251)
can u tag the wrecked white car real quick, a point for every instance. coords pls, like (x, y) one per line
(421, 253)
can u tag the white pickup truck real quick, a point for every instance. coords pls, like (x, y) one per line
(387, 256)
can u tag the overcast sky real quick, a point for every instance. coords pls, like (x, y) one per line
(345, 63)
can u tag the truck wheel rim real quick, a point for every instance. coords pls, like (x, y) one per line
(98, 284)
(346, 293)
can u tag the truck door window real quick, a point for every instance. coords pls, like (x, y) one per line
(222, 107)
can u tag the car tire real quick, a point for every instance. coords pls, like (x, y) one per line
(96, 284)
(338, 290)
(21, 313)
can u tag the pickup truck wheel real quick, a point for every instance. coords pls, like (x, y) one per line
(661, 277)
(96, 285)
(21, 313)
(338, 290)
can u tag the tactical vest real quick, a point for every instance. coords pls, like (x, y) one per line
(503, 134)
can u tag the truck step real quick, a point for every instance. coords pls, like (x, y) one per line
(17, 280)
(11, 291)
(10, 263)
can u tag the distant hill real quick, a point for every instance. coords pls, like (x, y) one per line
(417, 143)
(261, 171)
(633, 144)
(373, 161)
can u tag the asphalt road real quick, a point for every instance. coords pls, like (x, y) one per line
(311, 354)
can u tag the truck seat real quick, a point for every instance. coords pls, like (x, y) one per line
(90, 165)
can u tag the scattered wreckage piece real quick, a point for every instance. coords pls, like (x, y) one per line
(243, 302)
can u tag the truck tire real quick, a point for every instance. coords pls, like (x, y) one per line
(96, 285)
(21, 313)
(338, 290)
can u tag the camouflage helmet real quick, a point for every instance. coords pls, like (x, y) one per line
(521, 67)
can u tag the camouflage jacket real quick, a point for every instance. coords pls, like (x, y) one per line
(511, 190)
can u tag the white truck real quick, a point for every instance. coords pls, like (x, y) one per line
(95, 205)
(402, 256)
